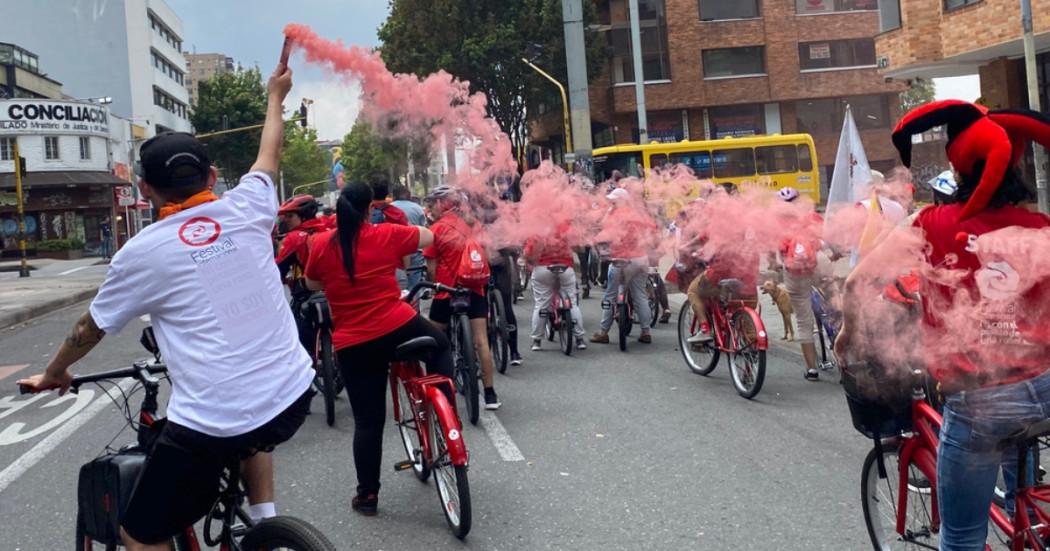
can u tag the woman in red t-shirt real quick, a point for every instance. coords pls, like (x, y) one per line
(355, 265)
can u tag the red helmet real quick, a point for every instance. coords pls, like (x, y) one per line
(303, 205)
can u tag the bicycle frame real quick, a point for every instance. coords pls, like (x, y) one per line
(721, 312)
(422, 389)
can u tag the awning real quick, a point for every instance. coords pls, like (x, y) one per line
(63, 178)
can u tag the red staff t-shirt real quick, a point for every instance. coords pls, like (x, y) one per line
(370, 306)
(450, 238)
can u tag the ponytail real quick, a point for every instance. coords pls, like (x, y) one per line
(350, 211)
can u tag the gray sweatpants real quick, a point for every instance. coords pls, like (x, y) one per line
(542, 293)
(635, 273)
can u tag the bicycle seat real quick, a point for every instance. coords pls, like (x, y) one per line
(1020, 438)
(557, 268)
(418, 349)
(732, 285)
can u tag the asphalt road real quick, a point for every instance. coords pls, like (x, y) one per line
(621, 451)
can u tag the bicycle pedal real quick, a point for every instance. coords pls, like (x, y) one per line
(403, 465)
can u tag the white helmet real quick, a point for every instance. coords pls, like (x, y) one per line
(788, 194)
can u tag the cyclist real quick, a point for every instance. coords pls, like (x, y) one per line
(403, 200)
(452, 229)
(542, 253)
(355, 264)
(382, 210)
(205, 275)
(629, 231)
(299, 218)
(738, 263)
(997, 384)
(798, 256)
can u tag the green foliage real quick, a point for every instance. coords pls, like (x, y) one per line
(302, 160)
(240, 96)
(483, 41)
(920, 92)
(365, 153)
(60, 245)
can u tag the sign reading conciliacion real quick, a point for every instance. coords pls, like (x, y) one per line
(33, 116)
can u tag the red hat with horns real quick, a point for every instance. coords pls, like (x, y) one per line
(975, 135)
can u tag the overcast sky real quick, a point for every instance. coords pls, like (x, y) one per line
(249, 31)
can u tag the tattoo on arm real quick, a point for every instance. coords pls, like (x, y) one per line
(85, 333)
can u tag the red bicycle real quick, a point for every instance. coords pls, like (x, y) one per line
(430, 428)
(738, 332)
(558, 317)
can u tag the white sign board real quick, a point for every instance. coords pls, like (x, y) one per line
(125, 196)
(36, 116)
(820, 51)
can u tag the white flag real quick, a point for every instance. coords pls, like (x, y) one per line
(852, 174)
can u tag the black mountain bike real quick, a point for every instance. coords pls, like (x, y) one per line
(498, 328)
(328, 379)
(464, 356)
(106, 483)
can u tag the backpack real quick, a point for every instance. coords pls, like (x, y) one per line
(473, 271)
(378, 217)
(800, 256)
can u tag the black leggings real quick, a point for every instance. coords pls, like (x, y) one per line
(365, 369)
(504, 283)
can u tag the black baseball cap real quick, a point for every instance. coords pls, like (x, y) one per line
(161, 155)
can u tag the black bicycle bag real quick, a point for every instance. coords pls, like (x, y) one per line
(104, 490)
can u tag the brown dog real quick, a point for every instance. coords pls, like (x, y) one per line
(780, 297)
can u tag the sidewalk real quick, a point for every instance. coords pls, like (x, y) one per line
(52, 284)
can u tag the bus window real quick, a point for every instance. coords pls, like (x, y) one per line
(776, 159)
(805, 159)
(626, 164)
(731, 163)
(657, 160)
(698, 161)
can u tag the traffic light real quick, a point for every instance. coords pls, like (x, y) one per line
(22, 166)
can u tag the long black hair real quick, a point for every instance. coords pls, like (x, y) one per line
(351, 212)
(1011, 191)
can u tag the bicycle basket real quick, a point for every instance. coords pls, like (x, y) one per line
(104, 490)
(879, 400)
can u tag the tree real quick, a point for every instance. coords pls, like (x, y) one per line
(365, 153)
(921, 91)
(302, 160)
(483, 41)
(225, 101)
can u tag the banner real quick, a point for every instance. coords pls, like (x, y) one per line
(852, 174)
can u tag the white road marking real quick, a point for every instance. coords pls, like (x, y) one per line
(19, 467)
(67, 272)
(506, 447)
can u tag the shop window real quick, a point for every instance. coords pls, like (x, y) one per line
(85, 148)
(7, 149)
(51, 148)
(732, 163)
(836, 54)
(714, 10)
(825, 116)
(805, 7)
(656, 61)
(737, 120)
(734, 62)
(776, 159)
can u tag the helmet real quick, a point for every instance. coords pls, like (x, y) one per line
(303, 205)
(944, 183)
(444, 192)
(618, 194)
(788, 194)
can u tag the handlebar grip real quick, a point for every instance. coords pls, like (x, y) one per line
(26, 389)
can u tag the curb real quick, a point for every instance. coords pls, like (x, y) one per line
(677, 299)
(37, 310)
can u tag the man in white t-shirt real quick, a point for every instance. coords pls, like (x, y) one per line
(205, 274)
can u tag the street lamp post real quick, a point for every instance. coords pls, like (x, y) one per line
(564, 103)
(23, 269)
(1033, 103)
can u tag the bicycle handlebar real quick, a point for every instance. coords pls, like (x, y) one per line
(459, 291)
(140, 371)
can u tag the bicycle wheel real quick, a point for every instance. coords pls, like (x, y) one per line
(451, 480)
(84, 542)
(747, 364)
(700, 358)
(624, 325)
(498, 334)
(879, 497)
(565, 337)
(285, 533)
(467, 370)
(410, 435)
(328, 375)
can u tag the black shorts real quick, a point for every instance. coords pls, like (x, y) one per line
(180, 481)
(441, 309)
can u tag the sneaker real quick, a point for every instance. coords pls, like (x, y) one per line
(581, 343)
(812, 375)
(700, 337)
(665, 317)
(491, 400)
(645, 338)
(600, 337)
(367, 505)
(515, 358)
(536, 344)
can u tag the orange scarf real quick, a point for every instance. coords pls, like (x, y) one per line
(205, 196)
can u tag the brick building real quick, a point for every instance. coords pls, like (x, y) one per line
(202, 67)
(717, 68)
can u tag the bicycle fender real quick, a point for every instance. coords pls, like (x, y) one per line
(457, 448)
(763, 336)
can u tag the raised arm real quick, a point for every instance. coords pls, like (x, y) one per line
(277, 88)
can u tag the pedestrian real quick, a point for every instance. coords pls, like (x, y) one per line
(106, 235)
(413, 274)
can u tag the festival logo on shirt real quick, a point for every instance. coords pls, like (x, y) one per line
(199, 231)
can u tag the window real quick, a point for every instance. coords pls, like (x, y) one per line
(734, 62)
(51, 148)
(825, 116)
(737, 120)
(730, 163)
(889, 15)
(806, 7)
(831, 54)
(619, 164)
(656, 62)
(956, 4)
(870, 111)
(714, 10)
(697, 161)
(7, 149)
(85, 148)
(776, 159)
(805, 158)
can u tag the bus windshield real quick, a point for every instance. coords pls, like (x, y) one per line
(626, 164)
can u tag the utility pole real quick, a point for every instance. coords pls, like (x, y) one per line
(23, 269)
(1033, 103)
(639, 77)
(576, 62)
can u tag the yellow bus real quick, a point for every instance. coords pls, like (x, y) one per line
(788, 160)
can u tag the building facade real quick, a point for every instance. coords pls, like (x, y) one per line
(20, 75)
(722, 68)
(203, 67)
(127, 50)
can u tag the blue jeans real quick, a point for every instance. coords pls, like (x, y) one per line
(969, 455)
